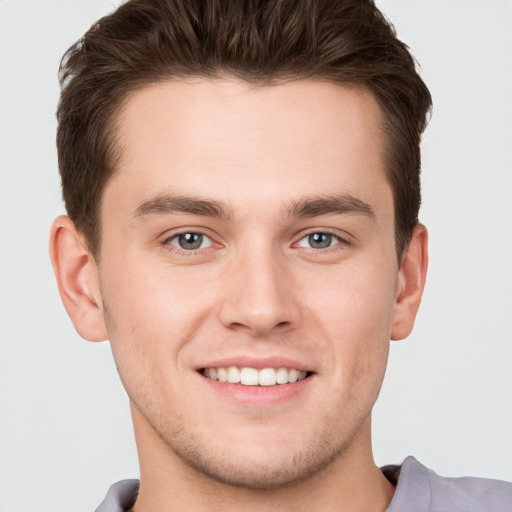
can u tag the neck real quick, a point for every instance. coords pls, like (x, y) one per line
(351, 481)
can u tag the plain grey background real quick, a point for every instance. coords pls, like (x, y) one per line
(65, 431)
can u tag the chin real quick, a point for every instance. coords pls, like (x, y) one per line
(256, 464)
(259, 473)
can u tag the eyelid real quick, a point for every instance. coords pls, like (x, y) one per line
(168, 235)
(176, 236)
(342, 240)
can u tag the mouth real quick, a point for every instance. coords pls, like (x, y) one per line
(248, 376)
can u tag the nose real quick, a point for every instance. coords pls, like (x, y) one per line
(259, 298)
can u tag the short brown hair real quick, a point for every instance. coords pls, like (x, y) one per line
(260, 41)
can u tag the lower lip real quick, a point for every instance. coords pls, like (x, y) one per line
(258, 395)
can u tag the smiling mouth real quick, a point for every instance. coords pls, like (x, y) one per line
(247, 376)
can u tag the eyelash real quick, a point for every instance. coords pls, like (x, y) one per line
(191, 252)
(335, 237)
(187, 252)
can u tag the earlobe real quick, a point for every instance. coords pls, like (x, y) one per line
(78, 280)
(411, 282)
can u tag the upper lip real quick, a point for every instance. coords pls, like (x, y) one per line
(256, 362)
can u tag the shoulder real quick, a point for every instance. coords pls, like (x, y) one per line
(429, 492)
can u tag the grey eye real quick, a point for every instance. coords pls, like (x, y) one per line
(190, 241)
(319, 240)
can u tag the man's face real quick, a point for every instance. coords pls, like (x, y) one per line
(250, 228)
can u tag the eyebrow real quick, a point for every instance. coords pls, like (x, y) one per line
(313, 206)
(169, 203)
(332, 204)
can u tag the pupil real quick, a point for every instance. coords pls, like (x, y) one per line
(190, 241)
(320, 240)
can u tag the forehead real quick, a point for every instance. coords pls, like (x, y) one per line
(239, 142)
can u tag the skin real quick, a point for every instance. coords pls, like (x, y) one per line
(256, 289)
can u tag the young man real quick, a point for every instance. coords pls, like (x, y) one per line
(242, 184)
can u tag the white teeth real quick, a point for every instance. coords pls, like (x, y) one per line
(267, 377)
(222, 374)
(253, 377)
(233, 375)
(249, 376)
(282, 376)
(293, 375)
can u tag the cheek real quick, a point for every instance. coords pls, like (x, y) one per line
(353, 312)
(151, 315)
(154, 301)
(352, 301)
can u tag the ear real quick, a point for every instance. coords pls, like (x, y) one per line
(411, 282)
(78, 279)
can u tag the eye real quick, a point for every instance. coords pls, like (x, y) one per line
(319, 240)
(190, 241)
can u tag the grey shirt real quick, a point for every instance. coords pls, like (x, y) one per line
(418, 490)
